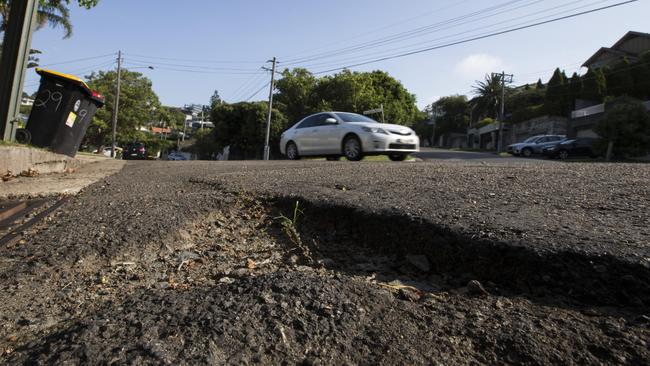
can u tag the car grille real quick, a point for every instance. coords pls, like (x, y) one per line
(400, 133)
(402, 146)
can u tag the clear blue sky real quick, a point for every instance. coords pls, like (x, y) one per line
(232, 39)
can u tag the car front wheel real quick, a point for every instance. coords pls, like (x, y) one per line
(563, 154)
(292, 151)
(352, 148)
(527, 152)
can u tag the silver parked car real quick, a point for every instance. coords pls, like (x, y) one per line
(336, 134)
(534, 145)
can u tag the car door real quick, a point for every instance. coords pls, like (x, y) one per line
(307, 135)
(329, 135)
(313, 134)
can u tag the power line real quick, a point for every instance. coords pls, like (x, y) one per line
(258, 91)
(247, 85)
(467, 18)
(192, 60)
(191, 66)
(456, 3)
(489, 35)
(483, 28)
(78, 60)
(134, 64)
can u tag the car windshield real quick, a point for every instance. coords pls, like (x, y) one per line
(353, 117)
(531, 139)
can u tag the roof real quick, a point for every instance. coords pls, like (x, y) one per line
(160, 130)
(614, 49)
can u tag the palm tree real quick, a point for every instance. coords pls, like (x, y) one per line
(50, 12)
(488, 96)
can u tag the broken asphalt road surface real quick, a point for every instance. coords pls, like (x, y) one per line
(337, 263)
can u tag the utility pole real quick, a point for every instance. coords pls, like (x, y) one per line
(502, 116)
(117, 101)
(383, 120)
(267, 150)
(15, 53)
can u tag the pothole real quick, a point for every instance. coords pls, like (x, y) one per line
(254, 237)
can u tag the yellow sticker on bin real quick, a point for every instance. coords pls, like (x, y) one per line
(71, 118)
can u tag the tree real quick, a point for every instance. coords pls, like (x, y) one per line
(295, 93)
(454, 114)
(539, 84)
(215, 100)
(300, 94)
(641, 75)
(488, 94)
(557, 97)
(626, 127)
(242, 126)
(619, 79)
(171, 117)
(55, 13)
(594, 86)
(139, 105)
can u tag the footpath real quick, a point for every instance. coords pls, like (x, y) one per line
(28, 172)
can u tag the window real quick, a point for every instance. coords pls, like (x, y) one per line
(353, 117)
(310, 121)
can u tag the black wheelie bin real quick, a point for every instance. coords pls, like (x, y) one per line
(62, 112)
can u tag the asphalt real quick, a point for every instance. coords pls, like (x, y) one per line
(202, 262)
(434, 154)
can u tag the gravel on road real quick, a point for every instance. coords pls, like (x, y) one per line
(337, 263)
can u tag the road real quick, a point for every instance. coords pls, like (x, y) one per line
(315, 262)
(430, 154)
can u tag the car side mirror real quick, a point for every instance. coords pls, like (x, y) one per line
(331, 121)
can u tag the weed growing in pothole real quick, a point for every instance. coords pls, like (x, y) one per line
(290, 228)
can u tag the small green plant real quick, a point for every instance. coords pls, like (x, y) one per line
(290, 228)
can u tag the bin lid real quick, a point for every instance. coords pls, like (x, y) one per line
(67, 77)
(75, 80)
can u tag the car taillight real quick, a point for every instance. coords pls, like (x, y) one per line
(141, 149)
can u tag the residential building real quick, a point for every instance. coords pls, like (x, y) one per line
(630, 47)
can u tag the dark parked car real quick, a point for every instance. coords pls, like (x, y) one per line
(135, 151)
(570, 148)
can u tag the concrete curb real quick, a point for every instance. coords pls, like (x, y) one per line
(17, 159)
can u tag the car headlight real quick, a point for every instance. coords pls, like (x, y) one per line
(375, 130)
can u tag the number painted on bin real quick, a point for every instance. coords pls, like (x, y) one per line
(46, 96)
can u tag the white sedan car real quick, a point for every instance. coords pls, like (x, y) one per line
(336, 134)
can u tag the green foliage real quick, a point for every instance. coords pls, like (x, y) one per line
(539, 85)
(242, 126)
(626, 124)
(594, 85)
(55, 13)
(170, 116)
(518, 101)
(296, 94)
(641, 75)
(484, 122)
(527, 113)
(139, 104)
(300, 94)
(557, 94)
(619, 79)
(454, 114)
(215, 100)
(488, 97)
